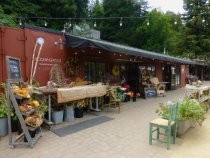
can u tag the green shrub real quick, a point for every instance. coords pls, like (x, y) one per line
(188, 109)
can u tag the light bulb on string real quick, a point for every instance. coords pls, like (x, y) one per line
(45, 23)
(121, 22)
(70, 23)
(20, 22)
(95, 24)
(203, 20)
(147, 22)
(175, 22)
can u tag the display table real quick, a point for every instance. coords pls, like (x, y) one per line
(202, 93)
(80, 92)
(74, 93)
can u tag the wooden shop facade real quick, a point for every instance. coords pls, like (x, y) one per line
(90, 59)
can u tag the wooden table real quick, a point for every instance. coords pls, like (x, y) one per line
(65, 95)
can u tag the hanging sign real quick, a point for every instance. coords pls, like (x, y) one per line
(13, 68)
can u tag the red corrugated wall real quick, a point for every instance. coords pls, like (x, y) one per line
(20, 43)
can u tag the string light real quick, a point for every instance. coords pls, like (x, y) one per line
(98, 18)
(121, 22)
(20, 22)
(45, 23)
(147, 22)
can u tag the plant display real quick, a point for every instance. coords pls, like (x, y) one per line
(188, 109)
(3, 106)
(3, 102)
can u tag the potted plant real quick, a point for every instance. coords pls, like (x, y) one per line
(14, 122)
(190, 113)
(78, 108)
(68, 112)
(3, 115)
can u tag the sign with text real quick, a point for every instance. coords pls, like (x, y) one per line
(13, 68)
(150, 92)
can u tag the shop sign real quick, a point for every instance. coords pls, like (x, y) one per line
(47, 63)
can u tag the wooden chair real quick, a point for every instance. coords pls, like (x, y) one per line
(113, 101)
(159, 86)
(164, 127)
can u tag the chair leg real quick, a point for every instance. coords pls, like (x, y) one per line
(174, 135)
(150, 134)
(158, 132)
(168, 138)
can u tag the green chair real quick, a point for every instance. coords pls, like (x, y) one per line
(164, 127)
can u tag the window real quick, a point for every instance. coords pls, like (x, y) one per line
(94, 71)
(146, 73)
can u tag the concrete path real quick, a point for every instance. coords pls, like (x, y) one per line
(126, 136)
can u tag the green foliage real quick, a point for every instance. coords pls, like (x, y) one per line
(3, 105)
(197, 28)
(188, 109)
(7, 20)
(42, 108)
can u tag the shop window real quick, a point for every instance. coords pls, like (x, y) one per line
(94, 71)
(146, 72)
(177, 72)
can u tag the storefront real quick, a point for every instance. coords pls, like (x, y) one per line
(89, 59)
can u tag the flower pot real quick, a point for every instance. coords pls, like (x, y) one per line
(184, 126)
(3, 126)
(68, 113)
(78, 112)
(14, 125)
(57, 116)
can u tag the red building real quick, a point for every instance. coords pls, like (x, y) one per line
(88, 59)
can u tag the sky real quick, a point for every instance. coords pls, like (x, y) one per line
(175, 6)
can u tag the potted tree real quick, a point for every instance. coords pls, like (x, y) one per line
(190, 113)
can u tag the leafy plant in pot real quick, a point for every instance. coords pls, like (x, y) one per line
(3, 115)
(190, 113)
(78, 107)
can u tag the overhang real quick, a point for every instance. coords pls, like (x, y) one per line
(82, 42)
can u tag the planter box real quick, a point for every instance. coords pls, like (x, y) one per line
(68, 113)
(57, 116)
(3, 126)
(184, 126)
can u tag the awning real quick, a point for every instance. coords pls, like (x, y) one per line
(82, 42)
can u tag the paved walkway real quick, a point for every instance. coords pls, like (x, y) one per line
(126, 136)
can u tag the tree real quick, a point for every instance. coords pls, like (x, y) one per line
(197, 29)
(7, 20)
(111, 29)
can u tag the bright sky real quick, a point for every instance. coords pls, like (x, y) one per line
(175, 6)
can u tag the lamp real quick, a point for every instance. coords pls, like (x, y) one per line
(60, 43)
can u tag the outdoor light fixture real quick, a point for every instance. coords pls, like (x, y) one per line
(60, 43)
(94, 24)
